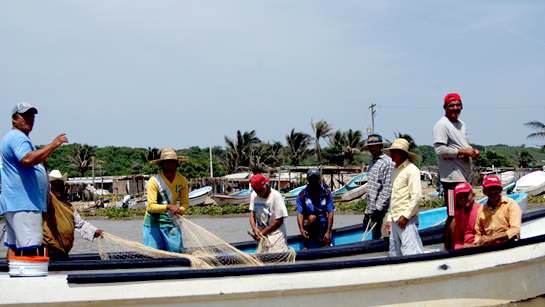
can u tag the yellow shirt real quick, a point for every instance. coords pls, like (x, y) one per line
(406, 192)
(180, 193)
(504, 217)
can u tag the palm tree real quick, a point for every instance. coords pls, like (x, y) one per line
(81, 158)
(239, 150)
(337, 142)
(266, 155)
(298, 146)
(409, 138)
(321, 130)
(525, 158)
(539, 126)
(353, 144)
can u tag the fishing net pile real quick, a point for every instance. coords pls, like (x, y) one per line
(202, 248)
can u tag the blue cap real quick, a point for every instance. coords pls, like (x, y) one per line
(313, 172)
(23, 107)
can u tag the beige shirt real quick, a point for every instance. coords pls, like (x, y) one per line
(504, 217)
(406, 192)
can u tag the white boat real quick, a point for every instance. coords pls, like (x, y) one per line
(531, 184)
(354, 193)
(507, 178)
(475, 276)
(198, 196)
(238, 198)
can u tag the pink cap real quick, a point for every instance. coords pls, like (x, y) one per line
(463, 187)
(491, 181)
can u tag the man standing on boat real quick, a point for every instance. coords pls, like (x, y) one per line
(465, 217)
(167, 196)
(379, 186)
(267, 214)
(61, 220)
(24, 183)
(454, 154)
(499, 220)
(405, 200)
(315, 211)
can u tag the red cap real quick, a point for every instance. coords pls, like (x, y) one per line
(463, 187)
(258, 181)
(450, 97)
(491, 181)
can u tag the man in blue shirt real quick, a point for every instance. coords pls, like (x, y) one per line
(315, 211)
(24, 183)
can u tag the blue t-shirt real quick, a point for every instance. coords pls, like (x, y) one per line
(305, 206)
(24, 188)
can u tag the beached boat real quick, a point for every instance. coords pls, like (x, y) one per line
(198, 196)
(242, 197)
(475, 276)
(354, 183)
(356, 193)
(291, 196)
(532, 184)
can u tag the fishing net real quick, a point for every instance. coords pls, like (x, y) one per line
(202, 248)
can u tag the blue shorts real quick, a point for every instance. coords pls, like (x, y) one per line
(167, 239)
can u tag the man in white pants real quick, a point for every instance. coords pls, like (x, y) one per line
(404, 202)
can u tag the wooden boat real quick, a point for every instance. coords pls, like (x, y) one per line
(291, 196)
(198, 196)
(532, 184)
(354, 193)
(475, 276)
(242, 197)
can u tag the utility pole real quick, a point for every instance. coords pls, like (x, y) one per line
(373, 111)
(211, 168)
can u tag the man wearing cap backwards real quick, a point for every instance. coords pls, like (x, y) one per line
(406, 196)
(267, 214)
(24, 182)
(379, 186)
(465, 217)
(499, 220)
(315, 211)
(167, 195)
(61, 220)
(453, 151)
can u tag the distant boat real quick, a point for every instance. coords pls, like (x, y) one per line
(291, 196)
(241, 197)
(532, 184)
(355, 186)
(198, 196)
(507, 178)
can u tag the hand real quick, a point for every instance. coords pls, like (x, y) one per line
(98, 233)
(304, 233)
(389, 226)
(476, 154)
(327, 238)
(257, 234)
(402, 222)
(466, 152)
(174, 210)
(60, 139)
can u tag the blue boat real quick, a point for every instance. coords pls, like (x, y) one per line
(354, 183)
(354, 234)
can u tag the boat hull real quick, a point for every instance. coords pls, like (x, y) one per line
(477, 276)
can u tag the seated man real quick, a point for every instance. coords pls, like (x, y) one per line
(465, 216)
(61, 220)
(267, 214)
(315, 211)
(499, 220)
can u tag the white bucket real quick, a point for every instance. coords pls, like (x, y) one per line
(28, 266)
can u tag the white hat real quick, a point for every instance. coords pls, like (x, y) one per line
(23, 107)
(403, 145)
(56, 175)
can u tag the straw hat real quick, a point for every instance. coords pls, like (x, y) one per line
(169, 154)
(403, 145)
(57, 175)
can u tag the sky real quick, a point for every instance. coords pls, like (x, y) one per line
(187, 73)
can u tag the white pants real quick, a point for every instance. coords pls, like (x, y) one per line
(406, 241)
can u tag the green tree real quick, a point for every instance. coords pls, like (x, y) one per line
(321, 130)
(298, 146)
(239, 149)
(539, 126)
(525, 158)
(81, 158)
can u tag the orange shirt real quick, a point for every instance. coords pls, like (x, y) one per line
(504, 217)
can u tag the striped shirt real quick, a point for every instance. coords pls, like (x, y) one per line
(379, 183)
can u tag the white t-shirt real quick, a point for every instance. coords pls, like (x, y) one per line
(266, 210)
